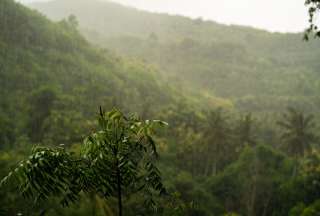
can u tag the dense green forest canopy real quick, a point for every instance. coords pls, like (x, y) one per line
(203, 78)
(255, 69)
(48, 69)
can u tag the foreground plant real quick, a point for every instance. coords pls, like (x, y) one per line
(313, 10)
(119, 157)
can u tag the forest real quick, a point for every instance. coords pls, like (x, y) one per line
(108, 110)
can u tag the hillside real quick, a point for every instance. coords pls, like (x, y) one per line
(215, 157)
(52, 79)
(52, 82)
(257, 70)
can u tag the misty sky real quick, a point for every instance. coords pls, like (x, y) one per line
(273, 15)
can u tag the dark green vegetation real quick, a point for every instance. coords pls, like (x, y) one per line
(313, 9)
(118, 158)
(215, 158)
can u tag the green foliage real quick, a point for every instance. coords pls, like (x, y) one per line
(302, 210)
(55, 78)
(216, 159)
(245, 131)
(120, 156)
(256, 70)
(313, 9)
(218, 144)
(312, 210)
(297, 210)
(122, 153)
(298, 132)
(248, 186)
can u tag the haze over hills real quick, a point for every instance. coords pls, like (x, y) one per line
(50, 67)
(287, 15)
(133, 22)
(242, 64)
(225, 151)
(52, 82)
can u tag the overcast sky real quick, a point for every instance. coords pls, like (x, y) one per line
(273, 15)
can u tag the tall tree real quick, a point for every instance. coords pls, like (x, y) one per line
(218, 136)
(244, 131)
(42, 102)
(298, 132)
(120, 157)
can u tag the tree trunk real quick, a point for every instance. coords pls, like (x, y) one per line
(93, 205)
(252, 199)
(295, 168)
(266, 206)
(119, 192)
(251, 210)
(208, 163)
(215, 167)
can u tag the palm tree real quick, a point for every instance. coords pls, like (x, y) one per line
(245, 131)
(297, 133)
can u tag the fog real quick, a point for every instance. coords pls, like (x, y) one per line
(273, 15)
(106, 110)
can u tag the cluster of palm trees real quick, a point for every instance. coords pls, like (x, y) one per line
(223, 143)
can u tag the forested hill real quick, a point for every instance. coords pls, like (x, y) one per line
(213, 160)
(256, 69)
(52, 81)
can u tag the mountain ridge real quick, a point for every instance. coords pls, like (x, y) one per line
(56, 79)
(240, 64)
